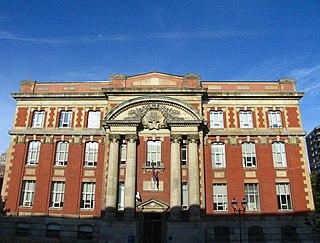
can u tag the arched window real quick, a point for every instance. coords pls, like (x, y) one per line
(255, 234)
(279, 154)
(249, 155)
(62, 151)
(91, 154)
(218, 155)
(33, 153)
(53, 230)
(85, 232)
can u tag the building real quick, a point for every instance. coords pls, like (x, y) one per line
(157, 157)
(313, 146)
(2, 167)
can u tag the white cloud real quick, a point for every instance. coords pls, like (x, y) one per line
(307, 78)
(100, 37)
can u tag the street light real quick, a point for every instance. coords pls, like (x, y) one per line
(240, 211)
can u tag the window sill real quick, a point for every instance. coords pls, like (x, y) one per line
(86, 209)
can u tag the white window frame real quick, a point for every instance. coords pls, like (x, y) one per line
(65, 119)
(279, 154)
(121, 190)
(184, 196)
(57, 194)
(184, 154)
(246, 119)
(62, 151)
(252, 196)
(27, 194)
(38, 119)
(249, 154)
(91, 154)
(88, 195)
(218, 155)
(94, 118)
(216, 119)
(275, 119)
(33, 153)
(220, 197)
(123, 154)
(153, 152)
(283, 196)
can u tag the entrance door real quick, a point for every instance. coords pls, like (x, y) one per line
(152, 228)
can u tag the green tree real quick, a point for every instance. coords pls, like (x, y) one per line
(315, 184)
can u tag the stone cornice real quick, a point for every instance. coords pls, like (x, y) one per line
(66, 132)
(256, 132)
(73, 95)
(255, 95)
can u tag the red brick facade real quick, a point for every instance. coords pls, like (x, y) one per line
(229, 97)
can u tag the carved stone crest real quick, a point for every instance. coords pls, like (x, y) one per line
(154, 115)
(154, 120)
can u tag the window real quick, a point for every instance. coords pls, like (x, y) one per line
(33, 153)
(185, 196)
(94, 119)
(220, 200)
(221, 234)
(153, 153)
(65, 119)
(53, 231)
(275, 119)
(121, 196)
(279, 154)
(255, 234)
(218, 155)
(22, 229)
(84, 232)
(283, 196)
(88, 195)
(57, 194)
(62, 153)
(246, 119)
(252, 196)
(38, 119)
(249, 155)
(216, 119)
(91, 154)
(184, 154)
(289, 233)
(123, 154)
(27, 195)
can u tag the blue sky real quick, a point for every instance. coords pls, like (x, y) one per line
(221, 40)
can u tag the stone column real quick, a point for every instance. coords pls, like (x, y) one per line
(194, 183)
(175, 178)
(112, 180)
(130, 183)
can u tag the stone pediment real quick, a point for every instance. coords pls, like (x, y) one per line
(153, 205)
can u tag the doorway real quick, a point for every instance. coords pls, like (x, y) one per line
(152, 228)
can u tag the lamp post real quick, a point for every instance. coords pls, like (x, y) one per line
(240, 211)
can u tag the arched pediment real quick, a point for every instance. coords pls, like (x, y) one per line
(153, 112)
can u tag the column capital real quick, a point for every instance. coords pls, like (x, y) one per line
(114, 138)
(175, 138)
(193, 138)
(131, 137)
